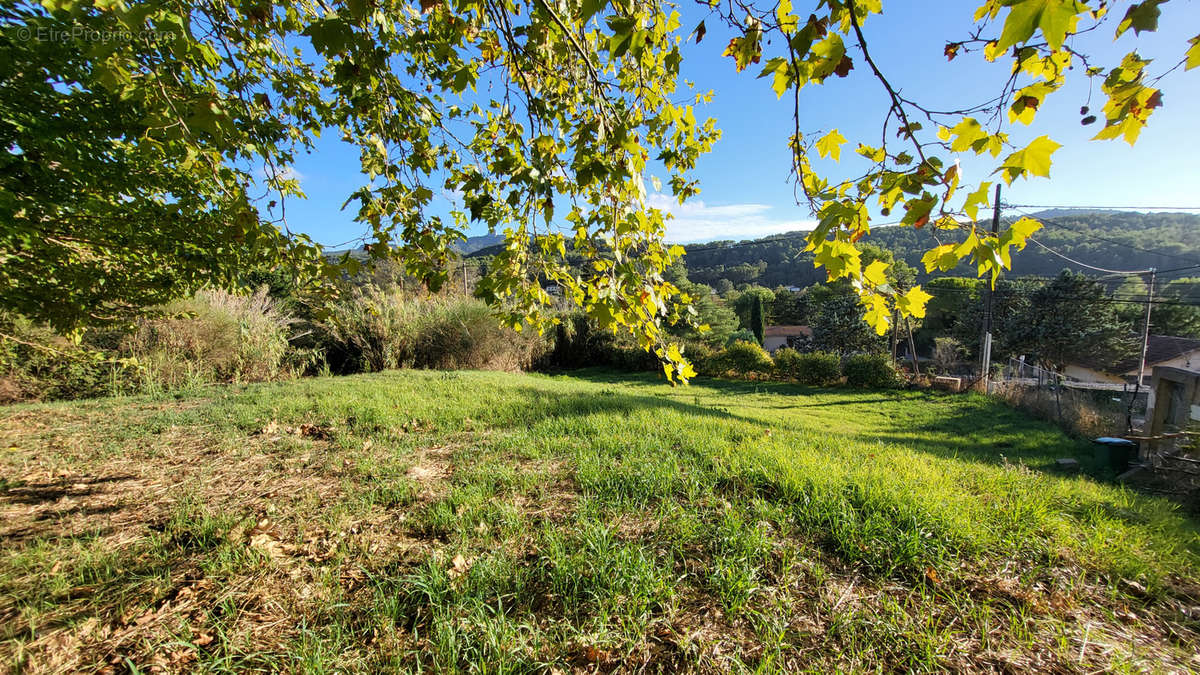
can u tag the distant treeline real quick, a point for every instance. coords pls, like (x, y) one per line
(1119, 241)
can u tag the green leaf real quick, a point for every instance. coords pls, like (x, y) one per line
(1055, 17)
(590, 8)
(745, 50)
(1141, 16)
(782, 72)
(830, 145)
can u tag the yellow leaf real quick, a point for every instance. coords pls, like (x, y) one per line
(673, 354)
(966, 133)
(940, 258)
(913, 302)
(831, 145)
(875, 273)
(787, 21)
(1032, 159)
(977, 199)
(1021, 230)
(992, 51)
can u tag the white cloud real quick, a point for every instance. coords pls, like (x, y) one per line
(696, 221)
(282, 173)
(290, 173)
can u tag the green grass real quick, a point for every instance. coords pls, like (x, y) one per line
(518, 523)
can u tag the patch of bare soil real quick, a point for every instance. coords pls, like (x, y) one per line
(159, 605)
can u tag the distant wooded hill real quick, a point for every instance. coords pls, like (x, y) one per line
(473, 246)
(1118, 241)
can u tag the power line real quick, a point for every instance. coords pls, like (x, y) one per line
(1173, 269)
(1105, 300)
(1009, 290)
(1057, 223)
(1083, 264)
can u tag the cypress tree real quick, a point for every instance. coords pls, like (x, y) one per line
(758, 319)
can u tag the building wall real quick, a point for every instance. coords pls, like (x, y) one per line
(1083, 374)
(772, 343)
(1189, 361)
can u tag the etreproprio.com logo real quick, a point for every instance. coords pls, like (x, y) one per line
(79, 33)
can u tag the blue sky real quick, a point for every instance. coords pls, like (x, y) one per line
(744, 181)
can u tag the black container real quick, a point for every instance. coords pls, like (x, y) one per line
(1115, 453)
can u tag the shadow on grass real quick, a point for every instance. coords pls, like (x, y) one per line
(973, 430)
(39, 508)
(539, 404)
(39, 493)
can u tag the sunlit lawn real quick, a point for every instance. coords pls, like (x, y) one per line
(505, 522)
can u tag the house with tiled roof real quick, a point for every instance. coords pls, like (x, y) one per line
(1161, 350)
(795, 337)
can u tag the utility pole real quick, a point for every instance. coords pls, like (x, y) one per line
(1146, 328)
(912, 348)
(895, 327)
(986, 348)
(1137, 388)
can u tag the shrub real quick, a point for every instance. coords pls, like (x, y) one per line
(947, 353)
(741, 335)
(370, 329)
(871, 371)
(37, 364)
(578, 343)
(378, 328)
(457, 332)
(817, 369)
(703, 357)
(214, 336)
(741, 359)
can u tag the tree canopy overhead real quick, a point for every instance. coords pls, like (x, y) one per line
(147, 142)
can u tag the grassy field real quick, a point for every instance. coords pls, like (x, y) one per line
(515, 523)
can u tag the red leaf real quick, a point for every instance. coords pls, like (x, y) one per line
(818, 26)
(844, 66)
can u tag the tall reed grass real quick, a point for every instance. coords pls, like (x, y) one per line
(383, 327)
(214, 336)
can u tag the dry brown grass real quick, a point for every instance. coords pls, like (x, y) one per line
(1072, 410)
